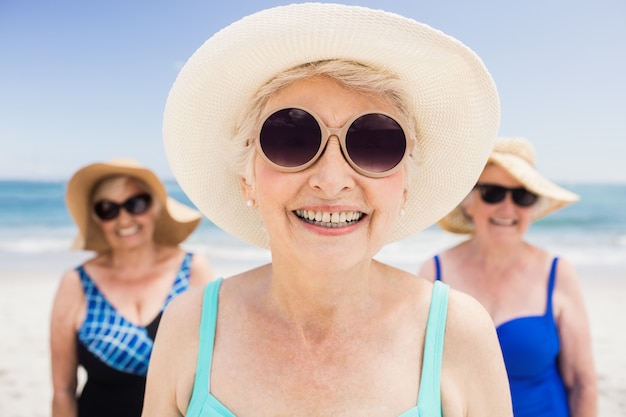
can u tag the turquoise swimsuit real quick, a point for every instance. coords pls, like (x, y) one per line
(204, 404)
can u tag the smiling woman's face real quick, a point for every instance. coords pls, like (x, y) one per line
(126, 230)
(503, 222)
(327, 211)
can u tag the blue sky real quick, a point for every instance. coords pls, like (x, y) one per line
(85, 81)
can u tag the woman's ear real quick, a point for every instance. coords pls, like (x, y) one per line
(247, 190)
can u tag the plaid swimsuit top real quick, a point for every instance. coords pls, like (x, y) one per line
(113, 339)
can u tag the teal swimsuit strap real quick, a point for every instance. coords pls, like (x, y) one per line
(429, 399)
(208, 324)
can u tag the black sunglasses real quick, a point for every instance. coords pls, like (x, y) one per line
(109, 210)
(493, 194)
(292, 139)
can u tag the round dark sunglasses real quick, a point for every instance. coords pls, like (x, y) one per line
(135, 205)
(374, 144)
(493, 194)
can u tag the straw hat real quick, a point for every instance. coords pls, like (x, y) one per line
(517, 157)
(452, 94)
(174, 225)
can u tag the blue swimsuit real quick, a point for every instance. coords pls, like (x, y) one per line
(204, 404)
(115, 352)
(530, 346)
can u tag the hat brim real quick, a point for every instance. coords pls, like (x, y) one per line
(174, 224)
(451, 91)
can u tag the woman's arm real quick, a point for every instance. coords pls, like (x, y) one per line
(64, 363)
(576, 356)
(174, 357)
(474, 379)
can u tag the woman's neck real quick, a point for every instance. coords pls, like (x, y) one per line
(318, 298)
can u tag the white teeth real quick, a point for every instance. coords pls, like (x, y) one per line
(503, 222)
(328, 219)
(128, 231)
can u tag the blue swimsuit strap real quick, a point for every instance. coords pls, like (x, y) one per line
(551, 284)
(437, 268)
(207, 340)
(429, 398)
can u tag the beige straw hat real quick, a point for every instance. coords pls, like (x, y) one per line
(452, 94)
(517, 157)
(174, 225)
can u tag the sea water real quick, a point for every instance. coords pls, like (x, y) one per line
(34, 221)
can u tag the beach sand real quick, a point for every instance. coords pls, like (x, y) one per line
(28, 285)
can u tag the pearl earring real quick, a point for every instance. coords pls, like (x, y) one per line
(402, 212)
(250, 203)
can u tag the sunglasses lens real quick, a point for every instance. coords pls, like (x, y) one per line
(524, 198)
(492, 194)
(290, 138)
(375, 143)
(138, 204)
(106, 210)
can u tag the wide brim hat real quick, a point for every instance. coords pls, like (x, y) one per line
(175, 223)
(451, 93)
(517, 157)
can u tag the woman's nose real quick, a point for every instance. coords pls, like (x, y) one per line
(332, 173)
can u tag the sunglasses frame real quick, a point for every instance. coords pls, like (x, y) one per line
(339, 132)
(123, 205)
(513, 191)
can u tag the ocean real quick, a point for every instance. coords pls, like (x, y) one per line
(34, 221)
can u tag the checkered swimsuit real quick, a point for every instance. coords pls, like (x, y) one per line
(110, 337)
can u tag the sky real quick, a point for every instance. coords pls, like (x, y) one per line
(86, 81)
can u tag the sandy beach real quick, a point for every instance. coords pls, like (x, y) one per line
(28, 284)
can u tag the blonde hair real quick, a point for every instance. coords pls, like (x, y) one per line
(353, 75)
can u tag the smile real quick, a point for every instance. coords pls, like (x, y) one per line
(128, 231)
(328, 219)
(503, 222)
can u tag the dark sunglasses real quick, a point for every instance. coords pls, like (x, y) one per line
(292, 139)
(109, 210)
(493, 194)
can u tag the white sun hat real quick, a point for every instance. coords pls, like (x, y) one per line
(452, 96)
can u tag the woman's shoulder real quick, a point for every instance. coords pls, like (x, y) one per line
(469, 327)
(471, 352)
(466, 315)
(180, 324)
(186, 306)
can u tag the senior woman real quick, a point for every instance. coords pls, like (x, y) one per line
(323, 132)
(107, 310)
(533, 296)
